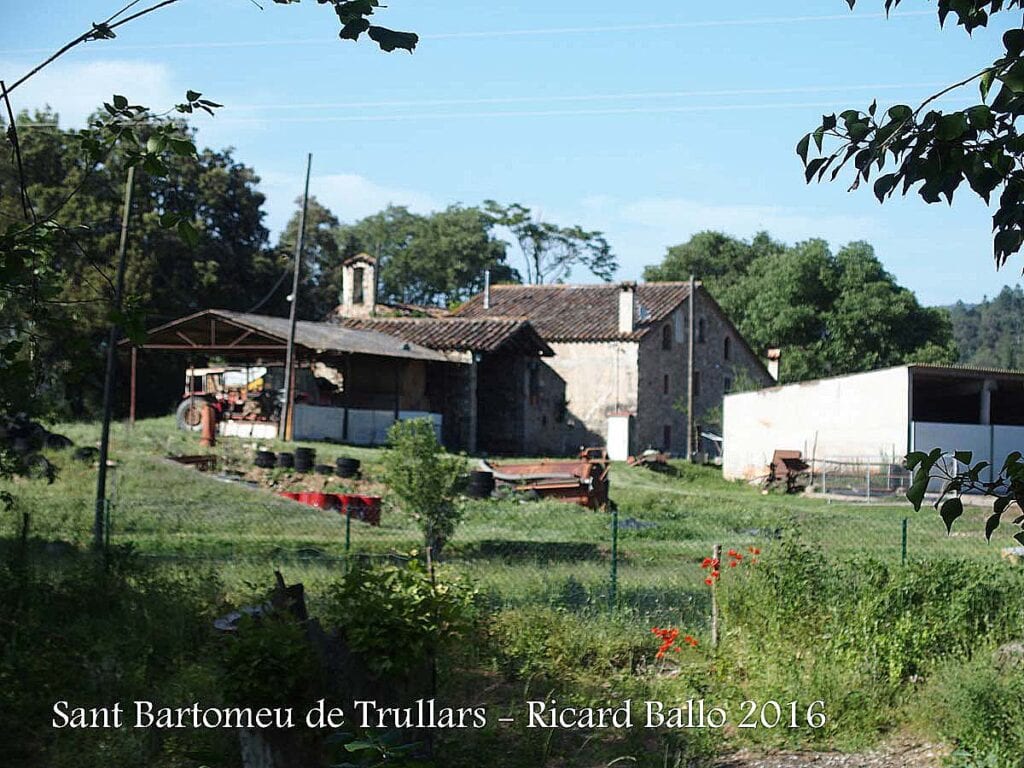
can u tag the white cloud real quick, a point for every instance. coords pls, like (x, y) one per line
(680, 218)
(641, 229)
(348, 195)
(76, 90)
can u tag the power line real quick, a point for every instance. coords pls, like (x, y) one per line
(540, 31)
(536, 113)
(589, 97)
(514, 113)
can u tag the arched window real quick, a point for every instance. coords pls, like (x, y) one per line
(727, 348)
(664, 385)
(666, 336)
(700, 331)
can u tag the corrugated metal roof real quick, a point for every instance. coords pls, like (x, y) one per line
(967, 369)
(578, 312)
(460, 334)
(317, 337)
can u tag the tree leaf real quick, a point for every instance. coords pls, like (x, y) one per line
(950, 511)
(990, 526)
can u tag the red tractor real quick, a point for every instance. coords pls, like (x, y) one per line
(234, 393)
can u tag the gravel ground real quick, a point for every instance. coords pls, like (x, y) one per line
(902, 755)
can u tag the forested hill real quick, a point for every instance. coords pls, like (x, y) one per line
(991, 333)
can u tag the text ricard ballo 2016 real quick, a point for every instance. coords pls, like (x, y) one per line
(428, 713)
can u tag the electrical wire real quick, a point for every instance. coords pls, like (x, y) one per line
(540, 31)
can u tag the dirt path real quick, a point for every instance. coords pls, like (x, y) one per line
(904, 755)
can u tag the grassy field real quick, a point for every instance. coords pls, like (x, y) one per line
(903, 652)
(520, 552)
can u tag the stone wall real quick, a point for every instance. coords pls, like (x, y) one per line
(716, 370)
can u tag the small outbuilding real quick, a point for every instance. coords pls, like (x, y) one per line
(877, 417)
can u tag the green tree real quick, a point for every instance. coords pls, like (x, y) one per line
(423, 479)
(168, 274)
(36, 245)
(830, 313)
(438, 259)
(991, 333)
(550, 253)
(321, 263)
(935, 151)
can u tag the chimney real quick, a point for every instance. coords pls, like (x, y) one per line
(774, 360)
(627, 307)
(487, 289)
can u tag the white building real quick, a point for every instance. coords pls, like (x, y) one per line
(877, 417)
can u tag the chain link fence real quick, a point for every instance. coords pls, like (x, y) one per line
(642, 556)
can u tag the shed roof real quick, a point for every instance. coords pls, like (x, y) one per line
(223, 330)
(579, 312)
(489, 334)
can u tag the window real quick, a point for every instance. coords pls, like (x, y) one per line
(696, 383)
(357, 285)
(534, 383)
(666, 438)
(666, 336)
(727, 385)
(700, 331)
(727, 348)
(664, 385)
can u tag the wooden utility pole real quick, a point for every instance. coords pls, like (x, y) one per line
(289, 374)
(99, 522)
(689, 378)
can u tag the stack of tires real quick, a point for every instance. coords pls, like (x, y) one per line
(481, 485)
(286, 460)
(305, 458)
(347, 467)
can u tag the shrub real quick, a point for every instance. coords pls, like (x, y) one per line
(424, 479)
(395, 616)
(979, 709)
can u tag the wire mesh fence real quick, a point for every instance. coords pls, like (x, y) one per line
(857, 479)
(642, 556)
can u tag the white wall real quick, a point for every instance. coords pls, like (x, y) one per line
(987, 443)
(864, 416)
(600, 379)
(365, 427)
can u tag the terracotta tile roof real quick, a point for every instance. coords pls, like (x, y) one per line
(457, 334)
(579, 312)
(393, 309)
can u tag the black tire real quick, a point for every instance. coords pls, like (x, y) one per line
(482, 482)
(347, 467)
(305, 458)
(190, 413)
(324, 469)
(266, 459)
(286, 460)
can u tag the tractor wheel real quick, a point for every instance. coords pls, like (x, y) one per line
(190, 413)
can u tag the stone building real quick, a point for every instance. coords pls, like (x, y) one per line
(621, 357)
(489, 394)
(550, 368)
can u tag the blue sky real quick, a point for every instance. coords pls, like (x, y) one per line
(647, 121)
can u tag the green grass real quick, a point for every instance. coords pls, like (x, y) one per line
(519, 551)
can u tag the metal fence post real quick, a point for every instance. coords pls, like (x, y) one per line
(348, 536)
(716, 555)
(867, 479)
(903, 544)
(613, 585)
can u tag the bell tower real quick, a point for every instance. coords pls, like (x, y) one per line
(358, 286)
